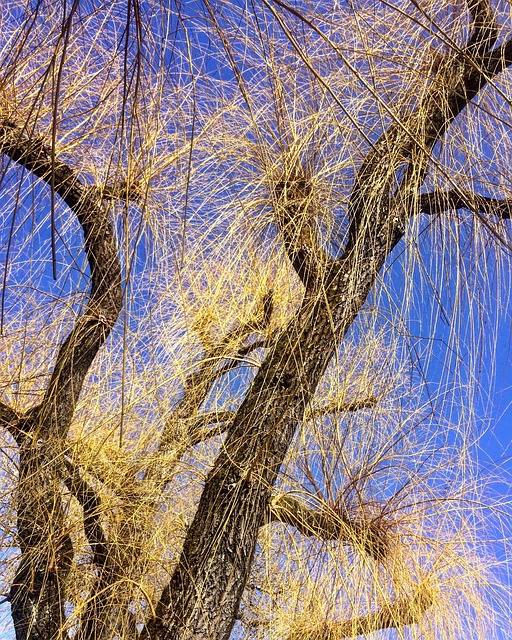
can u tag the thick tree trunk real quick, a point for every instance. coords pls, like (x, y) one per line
(203, 597)
(37, 591)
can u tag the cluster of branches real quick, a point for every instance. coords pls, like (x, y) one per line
(97, 578)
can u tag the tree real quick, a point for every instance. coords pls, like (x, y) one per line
(216, 222)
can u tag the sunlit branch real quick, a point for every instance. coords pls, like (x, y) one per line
(201, 427)
(335, 408)
(399, 614)
(294, 217)
(330, 525)
(199, 383)
(123, 192)
(438, 202)
(458, 80)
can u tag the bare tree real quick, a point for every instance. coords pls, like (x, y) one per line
(218, 223)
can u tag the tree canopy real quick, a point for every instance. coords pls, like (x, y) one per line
(254, 261)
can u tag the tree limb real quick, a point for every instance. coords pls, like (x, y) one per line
(409, 142)
(199, 383)
(93, 617)
(37, 591)
(399, 614)
(438, 202)
(105, 301)
(327, 525)
(294, 214)
(91, 505)
(9, 420)
(484, 25)
(352, 406)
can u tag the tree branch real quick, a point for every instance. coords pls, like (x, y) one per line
(9, 420)
(91, 505)
(341, 407)
(438, 202)
(410, 141)
(105, 301)
(484, 25)
(294, 214)
(93, 617)
(37, 591)
(327, 525)
(399, 614)
(199, 383)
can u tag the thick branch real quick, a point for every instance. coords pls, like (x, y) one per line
(397, 615)
(9, 420)
(90, 502)
(409, 142)
(294, 214)
(37, 592)
(438, 202)
(94, 622)
(203, 595)
(7, 415)
(484, 25)
(92, 328)
(330, 525)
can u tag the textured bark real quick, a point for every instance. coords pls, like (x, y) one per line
(203, 596)
(206, 588)
(201, 600)
(37, 593)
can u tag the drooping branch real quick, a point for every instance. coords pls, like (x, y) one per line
(397, 615)
(439, 202)
(328, 524)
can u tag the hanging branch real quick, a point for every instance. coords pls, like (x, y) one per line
(438, 202)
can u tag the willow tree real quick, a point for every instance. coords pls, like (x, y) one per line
(220, 226)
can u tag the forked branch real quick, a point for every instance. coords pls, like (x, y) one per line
(198, 384)
(294, 209)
